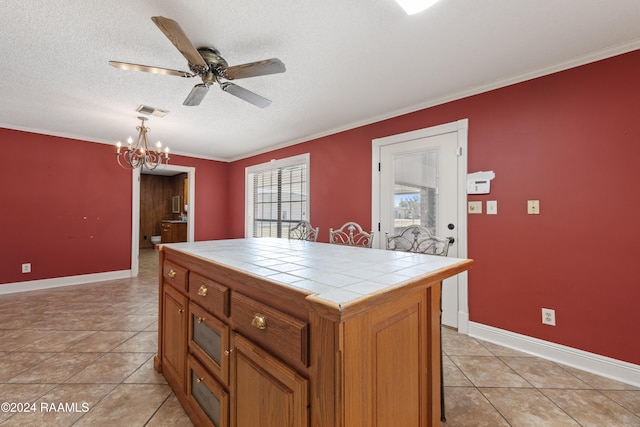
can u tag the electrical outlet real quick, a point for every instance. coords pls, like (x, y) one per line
(548, 317)
(26, 268)
(533, 207)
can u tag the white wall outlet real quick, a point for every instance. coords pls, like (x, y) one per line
(548, 317)
(26, 268)
(533, 207)
(492, 207)
(474, 207)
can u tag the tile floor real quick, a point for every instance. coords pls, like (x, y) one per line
(84, 356)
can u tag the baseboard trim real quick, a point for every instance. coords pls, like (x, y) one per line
(56, 282)
(614, 369)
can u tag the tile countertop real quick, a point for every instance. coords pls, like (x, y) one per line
(334, 275)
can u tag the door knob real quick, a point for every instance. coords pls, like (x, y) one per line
(451, 240)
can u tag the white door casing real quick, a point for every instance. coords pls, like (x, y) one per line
(448, 145)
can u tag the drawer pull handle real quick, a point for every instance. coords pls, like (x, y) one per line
(203, 291)
(172, 273)
(180, 311)
(201, 319)
(199, 380)
(259, 322)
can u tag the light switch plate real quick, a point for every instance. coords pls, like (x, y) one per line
(533, 207)
(492, 207)
(474, 207)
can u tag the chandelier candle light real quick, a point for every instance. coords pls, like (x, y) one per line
(138, 154)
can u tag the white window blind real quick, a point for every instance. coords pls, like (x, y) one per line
(278, 197)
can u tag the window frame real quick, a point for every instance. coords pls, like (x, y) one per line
(301, 159)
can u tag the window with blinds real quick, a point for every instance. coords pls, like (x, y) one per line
(278, 195)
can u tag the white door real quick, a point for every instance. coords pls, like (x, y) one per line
(419, 185)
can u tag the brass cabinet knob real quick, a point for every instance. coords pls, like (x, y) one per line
(199, 380)
(201, 319)
(227, 352)
(172, 273)
(180, 311)
(203, 291)
(259, 322)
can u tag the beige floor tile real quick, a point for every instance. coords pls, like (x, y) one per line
(100, 341)
(488, 372)
(544, 373)
(57, 368)
(467, 407)
(111, 368)
(127, 405)
(628, 399)
(146, 374)
(452, 375)
(21, 393)
(62, 406)
(527, 407)
(142, 342)
(170, 414)
(599, 382)
(12, 340)
(462, 345)
(592, 408)
(12, 364)
(56, 341)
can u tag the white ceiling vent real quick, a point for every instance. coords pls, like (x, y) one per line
(145, 109)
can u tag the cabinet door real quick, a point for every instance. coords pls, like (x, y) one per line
(206, 395)
(264, 391)
(209, 342)
(174, 336)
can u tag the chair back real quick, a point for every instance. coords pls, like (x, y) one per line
(304, 231)
(418, 239)
(351, 234)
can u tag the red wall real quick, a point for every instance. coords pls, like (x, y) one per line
(567, 140)
(67, 206)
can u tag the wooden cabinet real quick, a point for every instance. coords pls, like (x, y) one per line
(241, 350)
(265, 391)
(174, 323)
(173, 231)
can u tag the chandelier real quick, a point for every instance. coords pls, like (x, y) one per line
(138, 154)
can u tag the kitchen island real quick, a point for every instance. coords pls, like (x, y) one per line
(276, 332)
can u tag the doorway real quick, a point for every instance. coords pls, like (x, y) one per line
(419, 178)
(135, 210)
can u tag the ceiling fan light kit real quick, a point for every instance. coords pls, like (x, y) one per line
(209, 65)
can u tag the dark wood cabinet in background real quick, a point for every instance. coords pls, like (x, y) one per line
(156, 192)
(173, 232)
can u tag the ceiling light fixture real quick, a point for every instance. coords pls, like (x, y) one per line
(415, 6)
(138, 154)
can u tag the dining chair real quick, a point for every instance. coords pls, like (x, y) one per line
(304, 231)
(351, 234)
(418, 239)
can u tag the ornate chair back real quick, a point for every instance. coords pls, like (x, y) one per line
(304, 231)
(351, 234)
(418, 239)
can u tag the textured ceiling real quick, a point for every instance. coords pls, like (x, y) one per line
(348, 62)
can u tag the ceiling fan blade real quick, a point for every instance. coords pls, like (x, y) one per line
(148, 69)
(172, 30)
(245, 95)
(253, 69)
(196, 95)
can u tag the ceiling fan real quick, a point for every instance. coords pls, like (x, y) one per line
(206, 63)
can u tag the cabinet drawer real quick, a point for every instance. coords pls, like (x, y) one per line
(175, 275)
(209, 399)
(209, 342)
(281, 333)
(210, 295)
